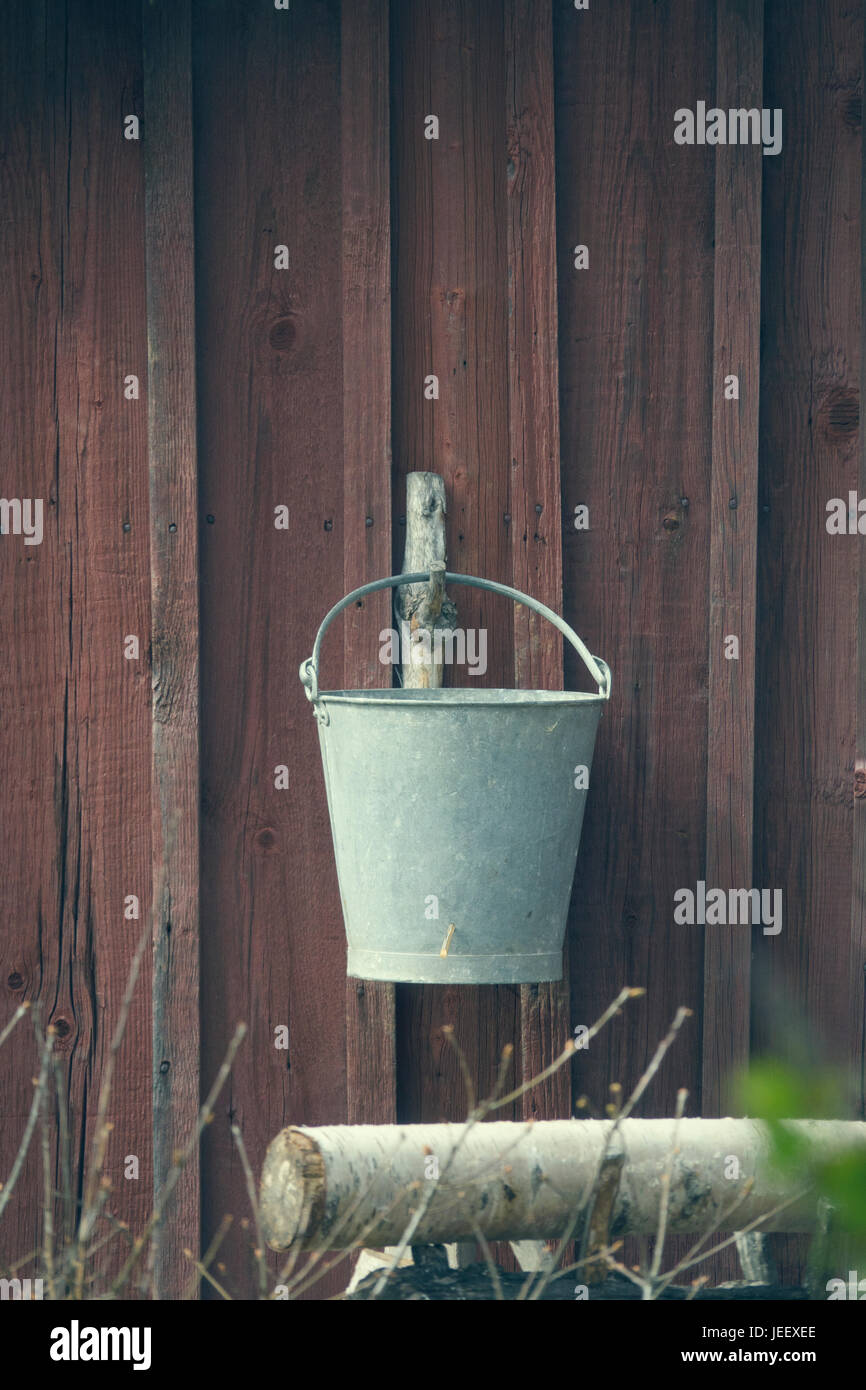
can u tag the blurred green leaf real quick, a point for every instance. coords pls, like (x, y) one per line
(775, 1091)
(772, 1091)
(788, 1148)
(842, 1180)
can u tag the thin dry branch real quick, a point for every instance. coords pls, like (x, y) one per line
(173, 1176)
(39, 1084)
(261, 1263)
(14, 1020)
(479, 1113)
(586, 1208)
(658, 1248)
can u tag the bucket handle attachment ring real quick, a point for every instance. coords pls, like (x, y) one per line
(598, 669)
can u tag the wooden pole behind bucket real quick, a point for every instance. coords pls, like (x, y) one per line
(422, 609)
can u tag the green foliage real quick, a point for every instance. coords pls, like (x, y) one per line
(777, 1092)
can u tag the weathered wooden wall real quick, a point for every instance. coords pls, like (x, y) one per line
(810, 997)
(559, 387)
(75, 747)
(267, 141)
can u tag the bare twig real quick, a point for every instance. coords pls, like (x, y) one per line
(261, 1263)
(632, 1275)
(16, 1017)
(480, 1112)
(687, 1263)
(204, 1273)
(491, 1267)
(180, 1161)
(588, 1206)
(102, 1129)
(209, 1255)
(173, 1176)
(448, 1033)
(567, 1052)
(35, 1105)
(64, 1159)
(656, 1061)
(682, 1096)
(46, 1044)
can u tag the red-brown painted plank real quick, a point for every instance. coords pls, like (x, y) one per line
(371, 1078)
(533, 425)
(858, 885)
(533, 380)
(810, 983)
(635, 392)
(450, 319)
(75, 741)
(267, 104)
(169, 257)
(733, 537)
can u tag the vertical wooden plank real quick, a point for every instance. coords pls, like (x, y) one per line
(810, 411)
(75, 733)
(364, 93)
(533, 426)
(533, 371)
(171, 422)
(635, 394)
(733, 540)
(267, 104)
(857, 1015)
(811, 974)
(450, 319)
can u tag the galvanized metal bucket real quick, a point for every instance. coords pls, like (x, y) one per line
(456, 808)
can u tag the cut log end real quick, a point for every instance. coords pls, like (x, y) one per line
(292, 1191)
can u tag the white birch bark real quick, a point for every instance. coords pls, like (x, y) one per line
(340, 1184)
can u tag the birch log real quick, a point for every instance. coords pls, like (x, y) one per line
(338, 1185)
(424, 608)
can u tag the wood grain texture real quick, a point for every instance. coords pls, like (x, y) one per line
(809, 978)
(733, 540)
(308, 124)
(422, 609)
(450, 319)
(857, 1009)
(533, 427)
(268, 126)
(533, 374)
(75, 734)
(636, 371)
(172, 468)
(371, 1078)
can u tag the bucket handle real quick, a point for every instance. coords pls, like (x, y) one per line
(598, 669)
